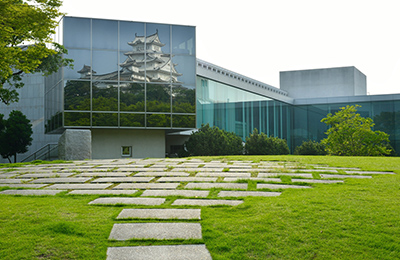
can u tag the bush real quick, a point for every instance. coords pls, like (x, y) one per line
(310, 148)
(261, 144)
(209, 141)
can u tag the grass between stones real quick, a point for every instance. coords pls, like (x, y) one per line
(359, 219)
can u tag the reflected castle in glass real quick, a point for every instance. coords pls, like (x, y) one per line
(138, 90)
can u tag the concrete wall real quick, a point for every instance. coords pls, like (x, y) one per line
(107, 143)
(331, 82)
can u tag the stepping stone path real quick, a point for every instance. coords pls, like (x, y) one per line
(157, 182)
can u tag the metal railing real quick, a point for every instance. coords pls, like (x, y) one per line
(48, 152)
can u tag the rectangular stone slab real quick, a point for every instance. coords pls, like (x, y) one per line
(102, 192)
(160, 214)
(12, 181)
(86, 186)
(31, 186)
(223, 174)
(342, 176)
(316, 181)
(61, 180)
(242, 186)
(273, 174)
(31, 192)
(187, 179)
(123, 179)
(156, 231)
(127, 201)
(205, 202)
(174, 252)
(142, 186)
(230, 179)
(247, 194)
(44, 175)
(197, 169)
(183, 193)
(161, 174)
(103, 174)
(280, 186)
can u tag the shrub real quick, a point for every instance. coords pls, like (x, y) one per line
(213, 141)
(261, 144)
(310, 148)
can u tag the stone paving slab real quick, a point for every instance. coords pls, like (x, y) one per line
(128, 201)
(368, 172)
(31, 186)
(316, 181)
(12, 181)
(247, 194)
(122, 179)
(280, 186)
(242, 170)
(102, 192)
(61, 180)
(223, 174)
(342, 176)
(7, 175)
(31, 192)
(137, 169)
(270, 174)
(44, 175)
(142, 186)
(187, 179)
(174, 252)
(103, 174)
(205, 202)
(85, 186)
(202, 169)
(163, 174)
(160, 214)
(242, 186)
(315, 170)
(183, 193)
(127, 231)
(230, 179)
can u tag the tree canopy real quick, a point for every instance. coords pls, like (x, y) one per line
(261, 144)
(15, 135)
(26, 46)
(350, 134)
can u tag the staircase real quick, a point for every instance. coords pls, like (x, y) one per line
(48, 152)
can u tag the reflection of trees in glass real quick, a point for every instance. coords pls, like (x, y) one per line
(158, 120)
(105, 97)
(77, 95)
(132, 120)
(105, 119)
(158, 98)
(54, 122)
(184, 121)
(386, 122)
(183, 100)
(132, 97)
(76, 119)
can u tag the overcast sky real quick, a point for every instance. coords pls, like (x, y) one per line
(260, 38)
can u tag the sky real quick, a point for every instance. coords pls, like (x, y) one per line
(260, 38)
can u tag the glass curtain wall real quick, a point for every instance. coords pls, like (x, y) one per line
(126, 75)
(239, 111)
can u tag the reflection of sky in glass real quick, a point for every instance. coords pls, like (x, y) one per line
(183, 40)
(186, 65)
(127, 31)
(163, 34)
(104, 34)
(102, 67)
(81, 58)
(76, 32)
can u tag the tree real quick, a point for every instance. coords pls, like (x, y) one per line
(310, 148)
(261, 144)
(15, 135)
(26, 27)
(351, 135)
(213, 141)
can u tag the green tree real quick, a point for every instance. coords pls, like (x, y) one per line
(310, 148)
(261, 144)
(351, 135)
(26, 46)
(15, 135)
(213, 141)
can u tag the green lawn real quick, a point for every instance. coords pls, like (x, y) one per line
(359, 219)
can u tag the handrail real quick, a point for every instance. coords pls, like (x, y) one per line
(44, 153)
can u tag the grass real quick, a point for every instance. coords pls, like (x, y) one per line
(359, 219)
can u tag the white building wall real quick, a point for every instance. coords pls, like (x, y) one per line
(107, 143)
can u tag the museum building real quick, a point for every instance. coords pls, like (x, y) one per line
(138, 90)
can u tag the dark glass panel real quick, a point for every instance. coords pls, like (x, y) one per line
(158, 120)
(183, 99)
(132, 97)
(131, 120)
(105, 34)
(76, 32)
(158, 98)
(184, 121)
(105, 96)
(76, 119)
(105, 119)
(77, 95)
(183, 40)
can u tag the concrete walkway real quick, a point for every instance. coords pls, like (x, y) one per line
(150, 182)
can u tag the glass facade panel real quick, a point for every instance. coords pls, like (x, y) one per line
(158, 120)
(183, 99)
(77, 32)
(104, 119)
(183, 40)
(105, 65)
(76, 119)
(105, 34)
(184, 70)
(105, 96)
(158, 38)
(158, 98)
(77, 95)
(132, 97)
(184, 121)
(127, 33)
(132, 120)
(82, 64)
